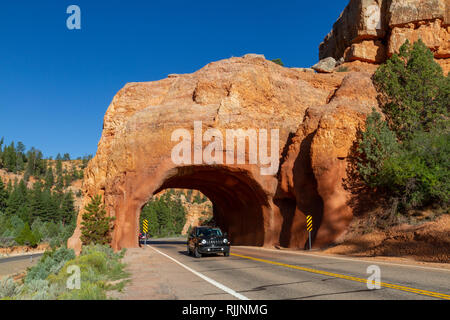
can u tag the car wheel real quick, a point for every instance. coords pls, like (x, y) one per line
(226, 254)
(197, 254)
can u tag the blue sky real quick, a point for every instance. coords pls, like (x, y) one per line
(56, 84)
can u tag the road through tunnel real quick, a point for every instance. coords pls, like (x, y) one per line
(239, 203)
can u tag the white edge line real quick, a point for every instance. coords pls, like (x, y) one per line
(347, 259)
(213, 282)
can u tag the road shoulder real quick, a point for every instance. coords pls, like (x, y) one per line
(155, 277)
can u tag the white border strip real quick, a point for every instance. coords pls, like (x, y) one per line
(213, 282)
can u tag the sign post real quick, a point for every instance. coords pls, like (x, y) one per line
(309, 227)
(145, 229)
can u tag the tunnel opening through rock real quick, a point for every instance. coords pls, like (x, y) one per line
(174, 212)
(238, 200)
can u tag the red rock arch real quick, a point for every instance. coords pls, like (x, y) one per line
(316, 114)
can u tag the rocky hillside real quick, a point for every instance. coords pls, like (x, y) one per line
(68, 166)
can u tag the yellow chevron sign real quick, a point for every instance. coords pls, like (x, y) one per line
(145, 226)
(309, 223)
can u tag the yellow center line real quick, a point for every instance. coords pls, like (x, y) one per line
(341, 276)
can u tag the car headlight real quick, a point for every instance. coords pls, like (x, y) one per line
(225, 241)
(203, 241)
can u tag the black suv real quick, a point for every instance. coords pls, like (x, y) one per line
(207, 240)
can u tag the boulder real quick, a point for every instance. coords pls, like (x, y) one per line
(326, 65)
(368, 51)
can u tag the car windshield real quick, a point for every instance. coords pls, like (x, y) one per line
(209, 233)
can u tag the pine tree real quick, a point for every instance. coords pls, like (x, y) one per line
(2, 140)
(67, 208)
(28, 237)
(9, 187)
(51, 204)
(10, 158)
(17, 198)
(3, 196)
(20, 147)
(41, 164)
(59, 183)
(49, 178)
(59, 167)
(414, 92)
(96, 225)
(20, 163)
(149, 213)
(37, 203)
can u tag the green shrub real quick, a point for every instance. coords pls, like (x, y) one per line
(342, 69)
(408, 155)
(278, 61)
(40, 290)
(28, 237)
(418, 173)
(51, 262)
(88, 291)
(414, 92)
(376, 144)
(99, 265)
(8, 288)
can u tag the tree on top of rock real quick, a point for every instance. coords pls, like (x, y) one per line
(278, 61)
(414, 93)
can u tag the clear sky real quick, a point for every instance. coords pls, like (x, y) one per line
(56, 84)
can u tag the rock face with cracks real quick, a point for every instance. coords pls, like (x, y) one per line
(373, 30)
(316, 116)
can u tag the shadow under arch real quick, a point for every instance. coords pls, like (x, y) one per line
(240, 205)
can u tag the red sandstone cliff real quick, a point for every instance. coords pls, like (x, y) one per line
(372, 30)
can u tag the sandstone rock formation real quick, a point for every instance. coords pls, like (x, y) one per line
(371, 30)
(197, 213)
(316, 115)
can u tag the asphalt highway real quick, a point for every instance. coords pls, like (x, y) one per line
(266, 274)
(16, 264)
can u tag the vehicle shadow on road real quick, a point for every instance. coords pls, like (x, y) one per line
(212, 255)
